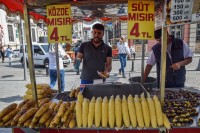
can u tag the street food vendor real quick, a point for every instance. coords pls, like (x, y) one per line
(96, 57)
(178, 56)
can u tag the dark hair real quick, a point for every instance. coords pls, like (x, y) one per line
(158, 34)
(98, 26)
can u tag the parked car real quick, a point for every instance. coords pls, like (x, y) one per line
(16, 53)
(40, 55)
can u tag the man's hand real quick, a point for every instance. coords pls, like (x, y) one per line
(103, 74)
(176, 66)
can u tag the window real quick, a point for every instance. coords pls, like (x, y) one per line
(37, 50)
(198, 33)
(10, 33)
(33, 35)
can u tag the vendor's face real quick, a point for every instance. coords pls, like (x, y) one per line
(97, 35)
(158, 40)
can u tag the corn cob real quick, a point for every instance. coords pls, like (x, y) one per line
(61, 110)
(85, 108)
(65, 116)
(132, 112)
(8, 124)
(125, 112)
(72, 123)
(58, 105)
(68, 104)
(7, 110)
(29, 104)
(28, 122)
(16, 118)
(45, 116)
(79, 114)
(111, 112)
(138, 109)
(41, 111)
(72, 106)
(30, 97)
(158, 111)
(38, 86)
(46, 100)
(91, 112)
(22, 104)
(55, 121)
(98, 110)
(47, 123)
(118, 111)
(166, 122)
(152, 112)
(29, 92)
(145, 111)
(10, 115)
(27, 115)
(2, 124)
(53, 105)
(33, 125)
(105, 112)
(80, 97)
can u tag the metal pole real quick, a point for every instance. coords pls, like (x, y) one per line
(30, 52)
(23, 49)
(142, 61)
(57, 66)
(163, 64)
(132, 67)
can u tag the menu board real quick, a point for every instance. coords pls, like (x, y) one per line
(182, 11)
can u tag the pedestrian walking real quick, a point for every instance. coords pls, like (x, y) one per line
(2, 52)
(123, 51)
(9, 53)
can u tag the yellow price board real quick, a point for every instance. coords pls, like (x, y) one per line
(141, 19)
(59, 23)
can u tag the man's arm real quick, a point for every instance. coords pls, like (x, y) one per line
(147, 71)
(79, 56)
(108, 66)
(177, 65)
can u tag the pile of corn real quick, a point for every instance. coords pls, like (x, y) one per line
(47, 114)
(116, 112)
(43, 91)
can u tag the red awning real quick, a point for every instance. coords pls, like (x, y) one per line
(16, 6)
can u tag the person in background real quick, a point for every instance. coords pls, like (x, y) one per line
(76, 50)
(53, 66)
(123, 51)
(132, 50)
(2, 52)
(96, 56)
(178, 56)
(9, 53)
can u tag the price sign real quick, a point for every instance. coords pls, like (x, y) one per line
(141, 19)
(59, 23)
(180, 10)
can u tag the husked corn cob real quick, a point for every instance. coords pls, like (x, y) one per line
(139, 114)
(80, 97)
(72, 105)
(111, 112)
(22, 104)
(54, 121)
(65, 116)
(47, 123)
(10, 115)
(105, 112)
(46, 100)
(132, 112)
(61, 110)
(85, 108)
(29, 104)
(68, 104)
(125, 113)
(33, 125)
(2, 124)
(145, 111)
(79, 113)
(8, 124)
(42, 110)
(38, 86)
(152, 112)
(58, 105)
(118, 111)
(45, 116)
(27, 115)
(28, 122)
(16, 118)
(158, 111)
(72, 123)
(7, 110)
(166, 122)
(98, 110)
(53, 105)
(91, 112)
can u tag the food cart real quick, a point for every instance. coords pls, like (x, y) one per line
(41, 4)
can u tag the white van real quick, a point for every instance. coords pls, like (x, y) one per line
(40, 55)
